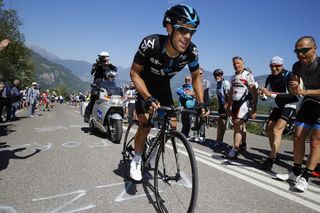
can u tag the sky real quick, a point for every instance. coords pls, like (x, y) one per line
(256, 30)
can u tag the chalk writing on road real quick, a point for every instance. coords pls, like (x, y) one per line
(66, 144)
(79, 194)
(55, 128)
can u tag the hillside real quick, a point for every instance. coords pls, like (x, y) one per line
(52, 75)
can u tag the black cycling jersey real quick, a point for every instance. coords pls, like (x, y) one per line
(158, 67)
(280, 84)
(310, 74)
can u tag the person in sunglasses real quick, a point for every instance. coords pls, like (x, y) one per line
(277, 88)
(157, 60)
(307, 121)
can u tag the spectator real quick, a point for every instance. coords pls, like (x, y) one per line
(131, 100)
(277, 88)
(5, 100)
(206, 97)
(33, 97)
(307, 122)
(15, 98)
(187, 100)
(242, 82)
(222, 90)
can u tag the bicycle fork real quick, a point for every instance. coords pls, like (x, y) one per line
(166, 177)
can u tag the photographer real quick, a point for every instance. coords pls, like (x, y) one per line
(102, 66)
(100, 70)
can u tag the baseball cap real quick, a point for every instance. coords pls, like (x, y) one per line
(276, 60)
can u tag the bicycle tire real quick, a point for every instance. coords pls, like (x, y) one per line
(128, 147)
(174, 193)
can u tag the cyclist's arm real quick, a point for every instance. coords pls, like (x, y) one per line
(197, 85)
(139, 83)
(254, 93)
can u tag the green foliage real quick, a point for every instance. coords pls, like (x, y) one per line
(15, 59)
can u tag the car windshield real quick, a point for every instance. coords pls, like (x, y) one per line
(112, 87)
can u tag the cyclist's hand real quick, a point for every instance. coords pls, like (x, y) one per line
(152, 103)
(202, 110)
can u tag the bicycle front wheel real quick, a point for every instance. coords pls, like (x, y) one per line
(176, 176)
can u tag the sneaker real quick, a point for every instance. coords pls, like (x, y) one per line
(232, 154)
(201, 139)
(217, 144)
(243, 147)
(301, 185)
(288, 176)
(315, 174)
(135, 171)
(267, 164)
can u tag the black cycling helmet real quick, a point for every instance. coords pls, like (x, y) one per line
(217, 72)
(181, 14)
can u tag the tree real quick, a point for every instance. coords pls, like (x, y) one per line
(15, 60)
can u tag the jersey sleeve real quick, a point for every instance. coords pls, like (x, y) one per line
(145, 46)
(226, 86)
(193, 63)
(250, 79)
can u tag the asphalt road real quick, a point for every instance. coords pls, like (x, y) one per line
(51, 163)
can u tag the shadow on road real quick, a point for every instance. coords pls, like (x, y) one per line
(131, 185)
(6, 129)
(6, 155)
(97, 133)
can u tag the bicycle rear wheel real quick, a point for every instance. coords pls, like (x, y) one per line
(176, 176)
(128, 147)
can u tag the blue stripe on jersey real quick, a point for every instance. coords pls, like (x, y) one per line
(193, 63)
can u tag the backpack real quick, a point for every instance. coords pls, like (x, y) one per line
(6, 92)
(14, 97)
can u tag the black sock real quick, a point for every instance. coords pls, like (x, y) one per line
(306, 174)
(296, 169)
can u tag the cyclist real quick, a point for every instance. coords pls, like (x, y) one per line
(222, 91)
(242, 83)
(99, 71)
(308, 116)
(157, 60)
(277, 88)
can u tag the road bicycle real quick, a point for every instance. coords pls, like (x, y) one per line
(175, 172)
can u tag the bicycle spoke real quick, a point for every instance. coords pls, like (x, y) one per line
(175, 176)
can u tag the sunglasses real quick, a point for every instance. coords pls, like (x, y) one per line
(275, 65)
(185, 30)
(302, 50)
(187, 79)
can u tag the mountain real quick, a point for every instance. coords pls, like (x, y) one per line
(43, 52)
(52, 75)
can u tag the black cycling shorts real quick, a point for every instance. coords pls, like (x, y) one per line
(309, 112)
(165, 100)
(284, 113)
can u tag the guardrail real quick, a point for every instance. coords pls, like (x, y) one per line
(259, 119)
